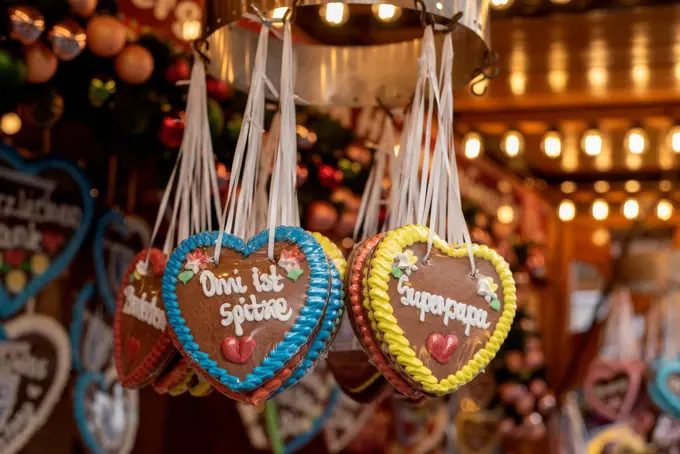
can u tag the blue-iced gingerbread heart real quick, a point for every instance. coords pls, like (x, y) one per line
(116, 242)
(90, 331)
(667, 383)
(41, 225)
(242, 320)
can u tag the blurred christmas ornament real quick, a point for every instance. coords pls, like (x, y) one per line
(83, 8)
(360, 155)
(341, 194)
(234, 126)
(68, 39)
(510, 392)
(45, 111)
(301, 173)
(536, 262)
(329, 176)
(534, 422)
(514, 361)
(320, 216)
(26, 23)
(132, 110)
(40, 62)
(538, 387)
(305, 138)
(352, 203)
(101, 88)
(506, 426)
(172, 131)
(218, 89)
(528, 325)
(349, 169)
(546, 404)
(534, 359)
(345, 227)
(105, 36)
(12, 71)
(525, 404)
(179, 70)
(481, 220)
(215, 118)
(480, 236)
(134, 65)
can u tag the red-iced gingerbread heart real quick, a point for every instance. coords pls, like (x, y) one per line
(442, 347)
(238, 350)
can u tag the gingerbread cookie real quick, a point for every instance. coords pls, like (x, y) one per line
(361, 316)
(90, 331)
(142, 345)
(240, 321)
(439, 323)
(612, 388)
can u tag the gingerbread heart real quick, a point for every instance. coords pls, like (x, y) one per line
(46, 213)
(611, 387)
(106, 414)
(116, 241)
(361, 315)
(414, 293)
(90, 332)
(667, 383)
(280, 304)
(142, 345)
(29, 394)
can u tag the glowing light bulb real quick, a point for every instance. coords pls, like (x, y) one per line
(512, 143)
(552, 144)
(592, 142)
(600, 210)
(568, 187)
(665, 185)
(10, 123)
(278, 13)
(473, 145)
(631, 209)
(191, 30)
(664, 210)
(601, 186)
(385, 12)
(674, 138)
(632, 186)
(600, 237)
(334, 13)
(501, 4)
(636, 141)
(506, 214)
(566, 210)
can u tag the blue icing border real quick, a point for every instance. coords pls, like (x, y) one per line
(301, 440)
(667, 400)
(80, 388)
(11, 305)
(330, 322)
(105, 290)
(293, 341)
(76, 326)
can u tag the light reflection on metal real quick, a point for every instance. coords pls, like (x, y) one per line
(328, 74)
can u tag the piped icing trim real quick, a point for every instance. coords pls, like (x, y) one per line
(162, 351)
(10, 305)
(332, 316)
(398, 345)
(76, 325)
(361, 308)
(304, 327)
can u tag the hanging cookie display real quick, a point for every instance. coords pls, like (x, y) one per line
(614, 380)
(44, 220)
(106, 414)
(35, 363)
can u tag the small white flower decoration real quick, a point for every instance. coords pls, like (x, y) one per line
(406, 261)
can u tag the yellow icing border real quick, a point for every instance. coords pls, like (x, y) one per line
(393, 336)
(333, 252)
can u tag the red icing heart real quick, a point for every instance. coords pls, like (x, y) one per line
(442, 347)
(238, 351)
(133, 346)
(601, 372)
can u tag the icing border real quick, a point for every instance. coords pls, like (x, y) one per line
(9, 306)
(156, 358)
(304, 327)
(84, 295)
(393, 336)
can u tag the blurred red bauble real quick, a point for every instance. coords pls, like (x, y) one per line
(514, 361)
(534, 359)
(547, 403)
(534, 422)
(134, 65)
(329, 176)
(346, 224)
(525, 404)
(506, 426)
(301, 174)
(510, 392)
(320, 216)
(105, 36)
(353, 203)
(218, 89)
(41, 63)
(172, 131)
(26, 24)
(179, 70)
(538, 387)
(68, 39)
(480, 236)
(360, 154)
(83, 8)
(341, 194)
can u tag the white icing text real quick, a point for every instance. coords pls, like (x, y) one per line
(143, 310)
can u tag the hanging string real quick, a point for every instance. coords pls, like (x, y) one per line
(671, 340)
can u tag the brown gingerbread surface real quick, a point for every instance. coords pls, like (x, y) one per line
(448, 277)
(204, 317)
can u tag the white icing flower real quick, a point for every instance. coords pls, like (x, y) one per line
(486, 288)
(141, 268)
(406, 262)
